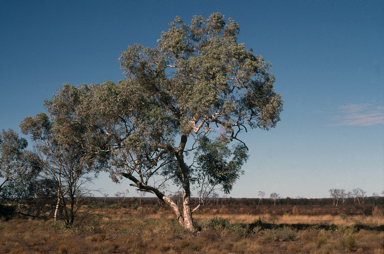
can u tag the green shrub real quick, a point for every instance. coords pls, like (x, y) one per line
(135, 206)
(97, 204)
(238, 229)
(216, 223)
(219, 224)
(288, 233)
(269, 235)
(348, 242)
(115, 206)
(343, 216)
(280, 234)
(320, 240)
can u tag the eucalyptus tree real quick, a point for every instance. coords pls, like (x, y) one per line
(274, 196)
(66, 161)
(180, 111)
(19, 169)
(261, 195)
(359, 195)
(336, 195)
(16, 163)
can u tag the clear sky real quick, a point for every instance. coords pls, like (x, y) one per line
(327, 56)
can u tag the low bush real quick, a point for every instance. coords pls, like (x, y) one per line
(320, 240)
(115, 206)
(219, 224)
(348, 242)
(97, 204)
(135, 206)
(216, 223)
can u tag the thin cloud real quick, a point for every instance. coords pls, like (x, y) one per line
(363, 114)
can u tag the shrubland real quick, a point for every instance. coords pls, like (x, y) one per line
(150, 227)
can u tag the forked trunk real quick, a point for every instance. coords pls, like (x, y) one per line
(185, 218)
(188, 222)
(175, 209)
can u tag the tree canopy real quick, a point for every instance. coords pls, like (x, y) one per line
(68, 162)
(179, 112)
(16, 163)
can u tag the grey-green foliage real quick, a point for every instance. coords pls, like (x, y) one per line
(221, 164)
(199, 80)
(220, 224)
(67, 159)
(199, 73)
(190, 96)
(19, 169)
(16, 163)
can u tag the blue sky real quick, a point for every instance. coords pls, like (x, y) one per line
(327, 56)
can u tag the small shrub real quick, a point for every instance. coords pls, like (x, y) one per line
(333, 227)
(269, 235)
(115, 206)
(348, 230)
(348, 242)
(97, 204)
(320, 240)
(216, 223)
(343, 216)
(257, 229)
(238, 229)
(288, 234)
(279, 236)
(135, 206)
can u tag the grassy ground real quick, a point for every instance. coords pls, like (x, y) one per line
(145, 230)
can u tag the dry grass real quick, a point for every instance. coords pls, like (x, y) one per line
(300, 219)
(144, 230)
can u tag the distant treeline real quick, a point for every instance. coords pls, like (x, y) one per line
(247, 201)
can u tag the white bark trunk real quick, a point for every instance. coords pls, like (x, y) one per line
(57, 205)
